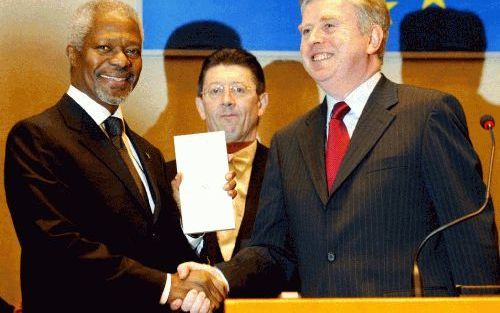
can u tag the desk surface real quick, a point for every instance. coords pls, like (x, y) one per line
(365, 305)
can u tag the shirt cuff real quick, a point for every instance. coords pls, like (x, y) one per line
(166, 290)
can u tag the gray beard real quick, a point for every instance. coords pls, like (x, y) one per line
(109, 99)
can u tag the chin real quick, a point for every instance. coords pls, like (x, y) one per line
(111, 99)
(231, 137)
(322, 74)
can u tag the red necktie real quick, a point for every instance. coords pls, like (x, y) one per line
(338, 140)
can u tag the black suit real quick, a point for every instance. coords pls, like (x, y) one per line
(5, 307)
(409, 168)
(89, 242)
(211, 247)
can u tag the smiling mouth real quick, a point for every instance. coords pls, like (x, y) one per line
(114, 78)
(321, 56)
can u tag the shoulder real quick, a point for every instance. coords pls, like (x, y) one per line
(40, 125)
(425, 96)
(431, 105)
(416, 102)
(409, 97)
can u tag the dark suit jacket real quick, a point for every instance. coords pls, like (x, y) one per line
(409, 168)
(89, 241)
(5, 307)
(211, 247)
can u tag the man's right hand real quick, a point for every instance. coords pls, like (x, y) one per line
(199, 289)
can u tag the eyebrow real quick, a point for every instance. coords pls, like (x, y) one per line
(227, 82)
(322, 19)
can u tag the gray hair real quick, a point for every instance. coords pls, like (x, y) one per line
(84, 16)
(369, 13)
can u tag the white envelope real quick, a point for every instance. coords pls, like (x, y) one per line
(202, 160)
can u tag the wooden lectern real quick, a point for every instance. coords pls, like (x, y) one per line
(366, 305)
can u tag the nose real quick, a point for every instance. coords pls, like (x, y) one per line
(120, 59)
(316, 36)
(228, 97)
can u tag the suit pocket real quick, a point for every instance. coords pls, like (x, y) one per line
(387, 163)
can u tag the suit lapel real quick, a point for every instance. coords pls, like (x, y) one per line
(373, 122)
(253, 194)
(144, 153)
(312, 146)
(93, 138)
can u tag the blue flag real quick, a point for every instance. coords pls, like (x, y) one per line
(272, 25)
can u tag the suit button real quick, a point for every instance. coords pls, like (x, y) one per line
(331, 256)
(154, 235)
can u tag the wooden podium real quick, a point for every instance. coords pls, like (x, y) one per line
(366, 305)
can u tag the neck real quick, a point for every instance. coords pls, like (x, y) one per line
(341, 91)
(233, 147)
(111, 108)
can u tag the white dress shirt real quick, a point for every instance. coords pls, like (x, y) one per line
(99, 114)
(356, 100)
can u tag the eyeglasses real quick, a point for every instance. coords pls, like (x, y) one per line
(217, 91)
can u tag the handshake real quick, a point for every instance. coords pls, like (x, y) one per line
(197, 288)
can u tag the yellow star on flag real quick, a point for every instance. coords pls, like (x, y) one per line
(428, 3)
(391, 4)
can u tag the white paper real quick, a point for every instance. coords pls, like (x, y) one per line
(202, 160)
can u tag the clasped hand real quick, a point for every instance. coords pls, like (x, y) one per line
(197, 288)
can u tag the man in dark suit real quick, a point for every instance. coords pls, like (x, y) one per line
(88, 195)
(232, 98)
(355, 185)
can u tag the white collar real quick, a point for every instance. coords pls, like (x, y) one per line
(96, 111)
(356, 99)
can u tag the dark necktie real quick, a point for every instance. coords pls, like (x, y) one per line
(338, 140)
(114, 127)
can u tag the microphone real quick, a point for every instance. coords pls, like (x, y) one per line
(488, 123)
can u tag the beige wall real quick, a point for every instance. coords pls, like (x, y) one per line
(34, 74)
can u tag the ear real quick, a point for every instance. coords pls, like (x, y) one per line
(73, 55)
(263, 101)
(200, 105)
(376, 36)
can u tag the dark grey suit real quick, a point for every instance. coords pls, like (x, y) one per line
(90, 242)
(409, 168)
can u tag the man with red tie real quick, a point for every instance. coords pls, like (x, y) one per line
(353, 186)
